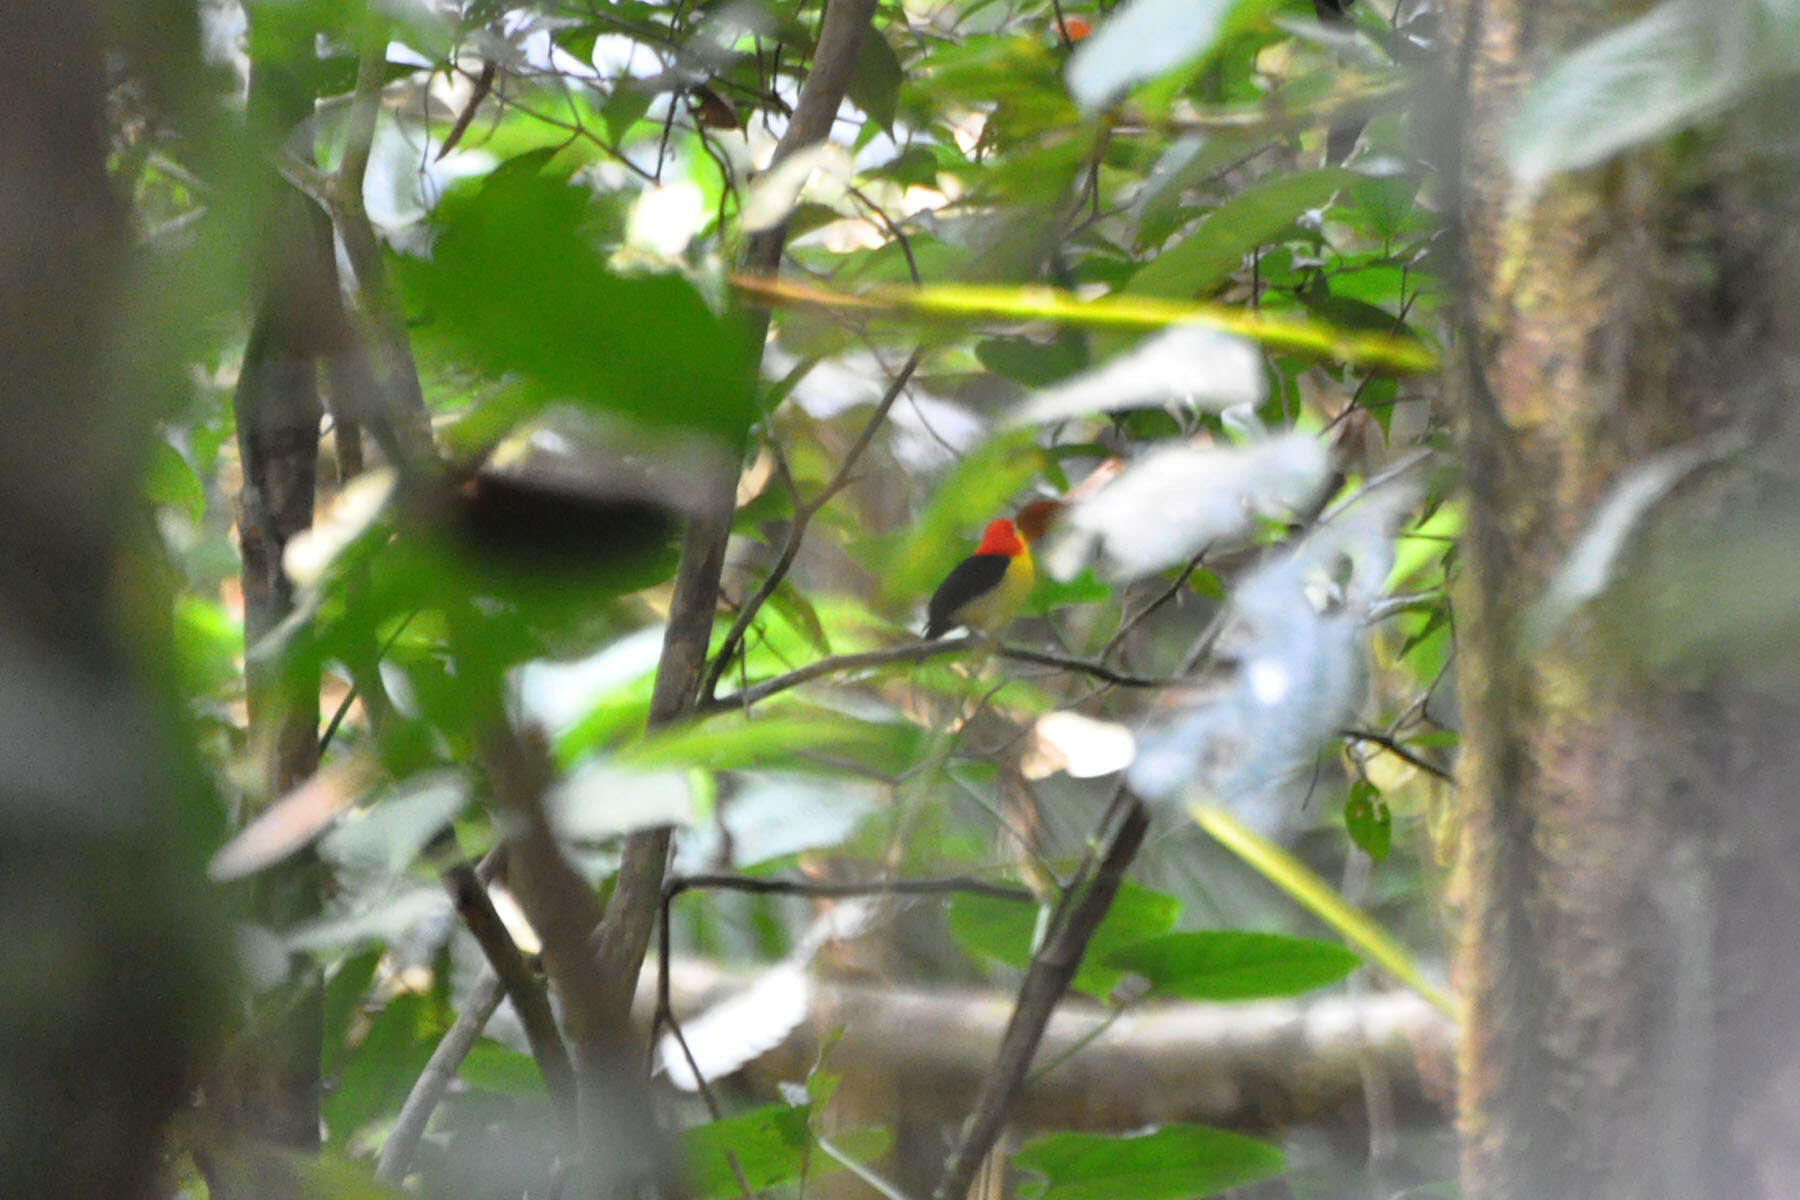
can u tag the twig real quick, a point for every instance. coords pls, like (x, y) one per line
(1162, 598)
(434, 1080)
(1085, 666)
(476, 908)
(758, 885)
(906, 652)
(803, 515)
(1398, 751)
(913, 652)
(484, 83)
(1052, 969)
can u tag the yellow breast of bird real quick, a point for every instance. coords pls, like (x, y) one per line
(991, 611)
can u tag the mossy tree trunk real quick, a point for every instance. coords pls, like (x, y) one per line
(1627, 814)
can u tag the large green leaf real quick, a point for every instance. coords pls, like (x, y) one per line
(1176, 1162)
(1233, 965)
(1206, 258)
(515, 286)
(1004, 930)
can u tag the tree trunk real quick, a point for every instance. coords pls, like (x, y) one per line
(1626, 951)
(108, 951)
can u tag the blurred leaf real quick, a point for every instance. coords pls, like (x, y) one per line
(379, 1073)
(388, 834)
(1366, 817)
(496, 1068)
(1319, 898)
(1151, 516)
(1676, 65)
(170, 481)
(771, 1145)
(1003, 930)
(1144, 38)
(1232, 965)
(875, 82)
(799, 613)
(598, 799)
(1123, 312)
(344, 992)
(1031, 362)
(731, 742)
(1176, 1162)
(383, 920)
(208, 641)
(515, 285)
(1207, 257)
(1189, 365)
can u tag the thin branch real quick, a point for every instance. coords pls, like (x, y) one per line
(1085, 666)
(758, 885)
(1162, 598)
(906, 652)
(920, 651)
(476, 908)
(1052, 969)
(1398, 751)
(803, 515)
(484, 83)
(434, 1080)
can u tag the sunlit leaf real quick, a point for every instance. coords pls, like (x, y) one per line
(1122, 312)
(1176, 1162)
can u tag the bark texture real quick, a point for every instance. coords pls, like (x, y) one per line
(1626, 807)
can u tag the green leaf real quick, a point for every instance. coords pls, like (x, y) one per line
(1366, 817)
(730, 742)
(772, 1145)
(1318, 897)
(516, 287)
(1176, 1162)
(1144, 38)
(1198, 264)
(1233, 965)
(875, 83)
(799, 613)
(1031, 362)
(1003, 930)
(170, 481)
(496, 1068)
(378, 1074)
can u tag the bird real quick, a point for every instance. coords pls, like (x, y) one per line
(985, 590)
